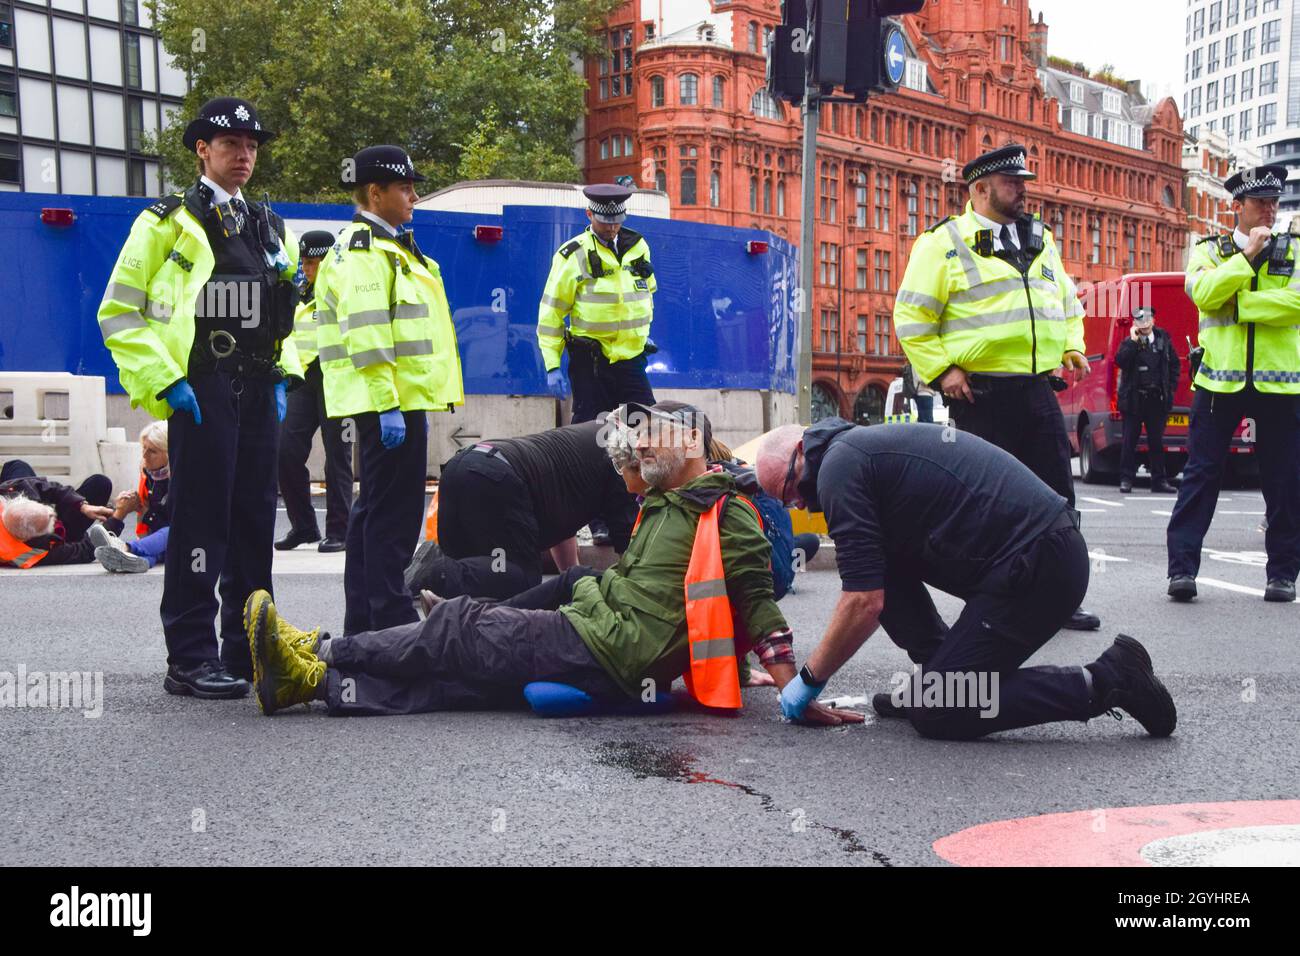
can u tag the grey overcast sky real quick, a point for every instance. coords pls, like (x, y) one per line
(1143, 39)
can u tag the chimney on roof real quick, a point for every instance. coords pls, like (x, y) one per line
(1038, 42)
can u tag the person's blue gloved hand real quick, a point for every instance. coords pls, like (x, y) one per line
(555, 383)
(181, 398)
(392, 428)
(796, 696)
(281, 401)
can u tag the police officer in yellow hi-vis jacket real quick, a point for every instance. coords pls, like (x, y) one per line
(388, 355)
(1247, 291)
(197, 315)
(305, 415)
(603, 281)
(986, 313)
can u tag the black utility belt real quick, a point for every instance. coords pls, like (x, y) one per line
(258, 367)
(1004, 383)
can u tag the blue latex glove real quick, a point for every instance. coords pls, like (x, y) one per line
(181, 398)
(281, 401)
(392, 428)
(555, 383)
(796, 696)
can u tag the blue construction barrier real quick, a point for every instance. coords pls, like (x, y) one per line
(724, 317)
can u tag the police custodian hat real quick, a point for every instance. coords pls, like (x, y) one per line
(1007, 161)
(382, 164)
(1258, 182)
(315, 243)
(226, 114)
(607, 202)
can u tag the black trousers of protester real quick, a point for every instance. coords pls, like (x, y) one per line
(1022, 416)
(306, 414)
(487, 528)
(384, 526)
(1215, 418)
(600, 385)
(96, 489)
(1150, 414)
(1006, 620)
(223, 500)
(467, 655)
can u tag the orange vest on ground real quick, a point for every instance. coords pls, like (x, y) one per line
(15, 552)
(713, 678)
(431, 518)
(142, 491)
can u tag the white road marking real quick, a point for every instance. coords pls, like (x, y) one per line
(1229, 586)
(1102, 501)
(1103, 556)
(1163, 514)
(1240, 512)
(1091, 511)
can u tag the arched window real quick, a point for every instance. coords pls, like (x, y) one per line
(763, 106)
(780, 197)
(661, 181)
(688, 186)
(753, 36)
(824, 402)
(688, 89)
(1168, 196)
(719, 92)
(869, 407)
(715, 188)
(753, 194)
(656, 91)
(767, 197)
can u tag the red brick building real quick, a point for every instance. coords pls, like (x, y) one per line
(679, 103)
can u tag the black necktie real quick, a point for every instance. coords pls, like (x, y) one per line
(407, 241)
(1007, 243)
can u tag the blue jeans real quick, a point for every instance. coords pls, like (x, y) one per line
(151, 547)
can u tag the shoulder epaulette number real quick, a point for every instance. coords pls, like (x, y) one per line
(570, 248)
(164, 207)
(360, 239)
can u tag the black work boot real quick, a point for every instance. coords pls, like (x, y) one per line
(425, 569)
(1122, 678)
(1279, 589)
(1182, 587)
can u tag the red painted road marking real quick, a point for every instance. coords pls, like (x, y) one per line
(1104, 837)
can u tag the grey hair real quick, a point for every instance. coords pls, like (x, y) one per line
(25, 518)
(619, 445)
(155, 433)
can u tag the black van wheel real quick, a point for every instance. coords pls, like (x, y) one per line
(1089, 467)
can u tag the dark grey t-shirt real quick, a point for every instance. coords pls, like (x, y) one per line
(945, 504)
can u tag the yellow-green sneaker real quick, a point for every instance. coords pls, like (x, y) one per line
(282, 676)
(304, 643)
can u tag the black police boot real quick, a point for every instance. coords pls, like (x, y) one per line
(209, 681)
(1123, 678)
(295, 538)
(1163, 487)
(1082, 620)
(423, 571)
(1279, 590)
(331, 545)
(884, 706)
(1182, 587)
(1125, 486)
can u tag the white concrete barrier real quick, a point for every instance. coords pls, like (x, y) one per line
(54, 421)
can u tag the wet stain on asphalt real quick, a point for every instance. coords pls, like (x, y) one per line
(644, 761)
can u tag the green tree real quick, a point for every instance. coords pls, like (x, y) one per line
(472, 88)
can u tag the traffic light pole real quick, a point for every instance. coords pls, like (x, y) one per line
(807, 237)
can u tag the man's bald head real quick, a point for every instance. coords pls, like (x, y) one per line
(774, 454)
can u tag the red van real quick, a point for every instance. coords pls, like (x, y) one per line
(1092, 418)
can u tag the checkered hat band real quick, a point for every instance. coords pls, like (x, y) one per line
(398, 168)
(607, 208)
(1267, 182)
(1007, 162)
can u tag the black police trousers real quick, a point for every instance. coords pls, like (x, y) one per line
(487, 530)
(467, 655)
(1150, 414)
(306, 414)
(385, 525)
(600, 385)
(223, 499)
(1021, 416)
(1007, 618)
(1276, 428)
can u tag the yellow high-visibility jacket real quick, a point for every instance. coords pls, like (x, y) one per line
(608, 299)
(384, 329)
(304, 329)
(1249, 321)
(979, 312)
(148, 310)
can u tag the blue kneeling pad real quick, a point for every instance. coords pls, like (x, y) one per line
(548, 699)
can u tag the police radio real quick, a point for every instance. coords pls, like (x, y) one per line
(1278, 263)
(1035, 236)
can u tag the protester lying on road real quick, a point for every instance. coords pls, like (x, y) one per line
(45, 522)
(911, 505)
(625, 636)
(148, 502)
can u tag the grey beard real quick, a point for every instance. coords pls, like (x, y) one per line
(656, 472)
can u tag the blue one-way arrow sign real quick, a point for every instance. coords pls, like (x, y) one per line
(895, 56)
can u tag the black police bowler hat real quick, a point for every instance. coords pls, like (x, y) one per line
(315, 243)
(226, 114)
(1008, 161)
(608, 201)
(1258, 182)
(381, 164)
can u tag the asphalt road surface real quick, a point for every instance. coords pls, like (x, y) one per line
(166, 780)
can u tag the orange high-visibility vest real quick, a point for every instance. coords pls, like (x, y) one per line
(15, 552)
(431, 518)
(713, 678)
(142, 492)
